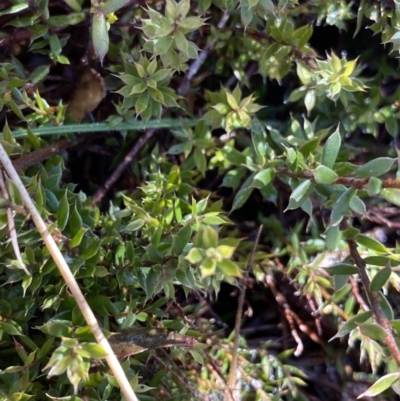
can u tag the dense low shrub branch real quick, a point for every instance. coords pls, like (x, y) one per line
(373, 300)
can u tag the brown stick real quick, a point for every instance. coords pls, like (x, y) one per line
(238, 321)
(185, 84)
(291, 317)
(39, 155)
(173, 373)
(357, 295)
(98, 196)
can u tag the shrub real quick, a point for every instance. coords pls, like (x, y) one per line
(227, 115)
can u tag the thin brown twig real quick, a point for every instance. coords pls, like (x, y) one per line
(166, 392)
(305, 328)
(195, 66)
(292, 317)
(380, 219)
(173, 373)
(287, 313)
(18, 35)
(100, 193)
(314, 313)
(238, 320)
(216, 371)
(181, 312)
(390, 183)
(254, 383)
(357, 295)
(29, 159)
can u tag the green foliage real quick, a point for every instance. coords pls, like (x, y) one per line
(211, 254)
(333, 78)
(291, 137)
(165, 35)
(230, 110)
(146, 88)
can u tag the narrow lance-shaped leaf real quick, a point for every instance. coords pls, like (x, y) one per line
(331, 149)
(246, 14)
(259, 137)
(111, 6)
(373, 330)
(262, 178)
(65, 20)
(100, 38)
(75, 221)
(374, 168)
(14, 9)
(360, 16)
(385, 306)
(181, 239)
(332, 238)
(142, 103)
(200, 161)
(309, 100)
(380, 278)
(268, 5)
(352, 323)
(371, 243)
(300, 194)
(183, 8)
(358, 206)
(63, 213)
(380, 385)
(181, 42)
(377, 260)
(10, 329)
(342, 288)
(342, 268)
(243, 194)
(229, 268)
(74, 4)
(341, 206)
(392, 195)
